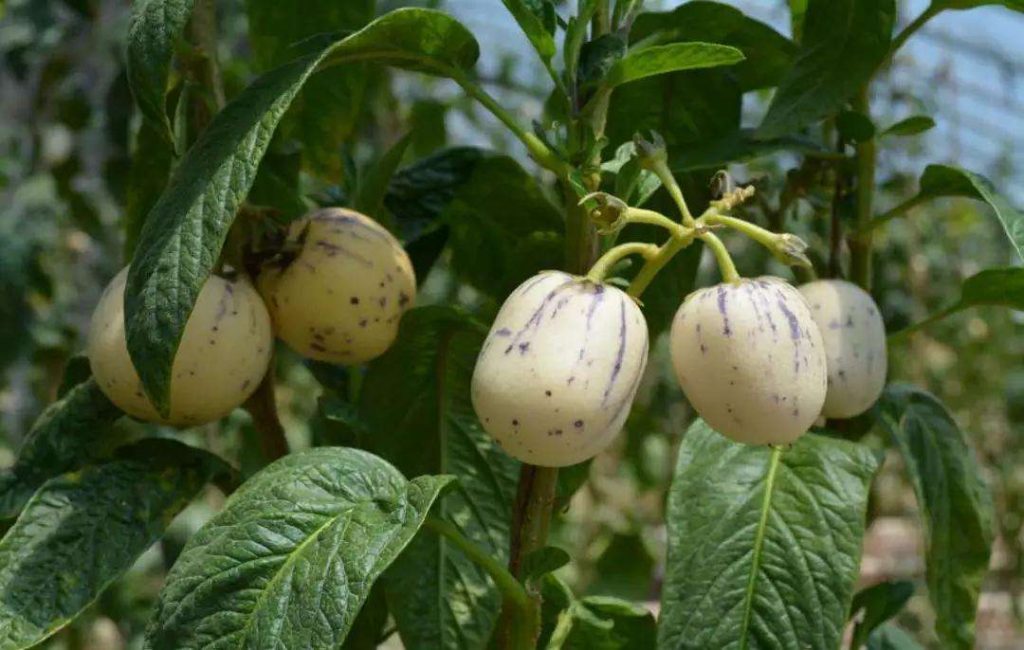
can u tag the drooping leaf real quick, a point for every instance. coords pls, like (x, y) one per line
(290, 560)
(325, 112)
(877, 604)
(764, 546)
(533, 25)
(944, 180)
(373, 186)
(155, 29)
(767, 54)
(844, 42)
(955, 503)
(544, 561)
(65, 437)
(662, 59)
(83, 529)
(419, 390)
(913, 125)
(186, 229)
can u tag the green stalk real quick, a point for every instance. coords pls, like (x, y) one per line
(896, 211)
(538, 150)
(654, 265)
(910, 29)
(907, 331)
(860, 243)
(603, 266)
(725, 263)
(511, 590)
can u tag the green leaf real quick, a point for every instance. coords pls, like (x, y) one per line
(533, 26)
(844, 42)
(661, 59)
(325, 112)
(955, 503)
(855, 127)
(66, 436)
(575, 35)
(186, 229)
(156, 28)
(890, 637)
(503, 228)
(372, 188)
(419, 391)
(877, 604)
(544, 561)
(763, 545)
(293, 555)
(943, 180)
(1002, 287)
(767, 54)
(82, 530)
(913, 125)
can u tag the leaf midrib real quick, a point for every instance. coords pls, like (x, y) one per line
(755, 562)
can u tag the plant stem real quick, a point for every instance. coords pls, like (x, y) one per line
(538, 150)
(896, 211)
(860, 242)
(650, 217)
(907, 331)
(603, 266)
(511, 590)
(262, 406)
(725, 263)
(654, 265)
(761, 235)
(664, 174)
(910, 29)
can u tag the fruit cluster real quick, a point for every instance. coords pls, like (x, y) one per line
(758, 359)
(336, 294)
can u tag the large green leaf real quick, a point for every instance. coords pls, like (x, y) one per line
(764, 546)
(944, 180)
(64, 437)
(662, 59)
(186, 229)
(767, 54)
(157, 27)
(415, 400)
(503, 228)
(293, 555)
(83, 529)
(737, 146)
(955, 504)
(844, 42)
(324, 113)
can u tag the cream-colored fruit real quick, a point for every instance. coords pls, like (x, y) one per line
(223, 355)
(340, 299)
(750, 360)
(854, 335)
(558, 371)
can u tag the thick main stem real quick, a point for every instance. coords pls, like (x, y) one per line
(861, 239)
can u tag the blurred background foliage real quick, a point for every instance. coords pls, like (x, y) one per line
(70, 144)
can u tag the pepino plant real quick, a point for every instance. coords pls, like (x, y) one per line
(471, 436)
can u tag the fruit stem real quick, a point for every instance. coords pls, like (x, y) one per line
(639, 215)
(603, 266)
(661, 170)
(262, 407)
(725, 263)
(654, 265)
